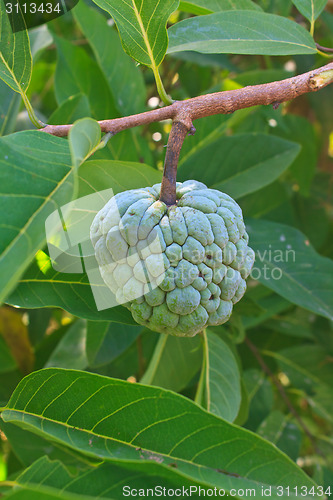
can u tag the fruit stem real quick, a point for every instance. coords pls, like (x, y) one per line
(179, 131)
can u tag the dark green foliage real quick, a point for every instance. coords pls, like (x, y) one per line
(90, 401)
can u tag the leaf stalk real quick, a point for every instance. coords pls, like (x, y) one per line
(160, 87)
(204, 375)
(33, 118)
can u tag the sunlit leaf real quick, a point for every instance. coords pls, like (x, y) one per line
(15, 55)
(142, 27)
(240, 32)
(311, 9)
(115, 64)
(202, 7)
(84, 137)
(112, 420)
(36, 177)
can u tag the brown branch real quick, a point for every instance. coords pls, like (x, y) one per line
(179, 130)
(219, 102)
(282, 392)
(324, 49)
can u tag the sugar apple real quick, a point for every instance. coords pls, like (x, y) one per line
(178, 269)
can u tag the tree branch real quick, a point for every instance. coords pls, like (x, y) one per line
(219, 102)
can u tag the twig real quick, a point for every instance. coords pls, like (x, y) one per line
(324, 49)
(219, 102)
(179, 131)
(282, 392)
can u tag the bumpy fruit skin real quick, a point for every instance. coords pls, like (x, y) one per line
(178, 269)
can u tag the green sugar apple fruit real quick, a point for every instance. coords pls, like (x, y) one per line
(177, 269)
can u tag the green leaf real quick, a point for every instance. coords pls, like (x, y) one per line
(281, 431)
(211, 128)
(312, 217)
(204, 61)
(7, 362)
(40, 38)
(96, 175)
(74, 108)
(202, 7)
(323, 474)
(222, 381)
(107, 481)
(328, 19)
(268, 307)
(8, 382)
(263, 158)
(29, 447)
(71, 350)
(322, 403)
(311, 9)
(49, 343)
(260, 395)
(15, 55)
(123, 76)
(38, 322)
(288, 264)
(280, 7)
(241, 32)
(35, 178)
(243, 413)
(264, 200)
(117, 421)
(259, 76)
(84, 138)
(300, 130)
(306, 366)
(296, 324)
(174, 363)
(77, 73)
(106, 341)
(132, 362)
(142, 27)
(9, 107)
(42, 286)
